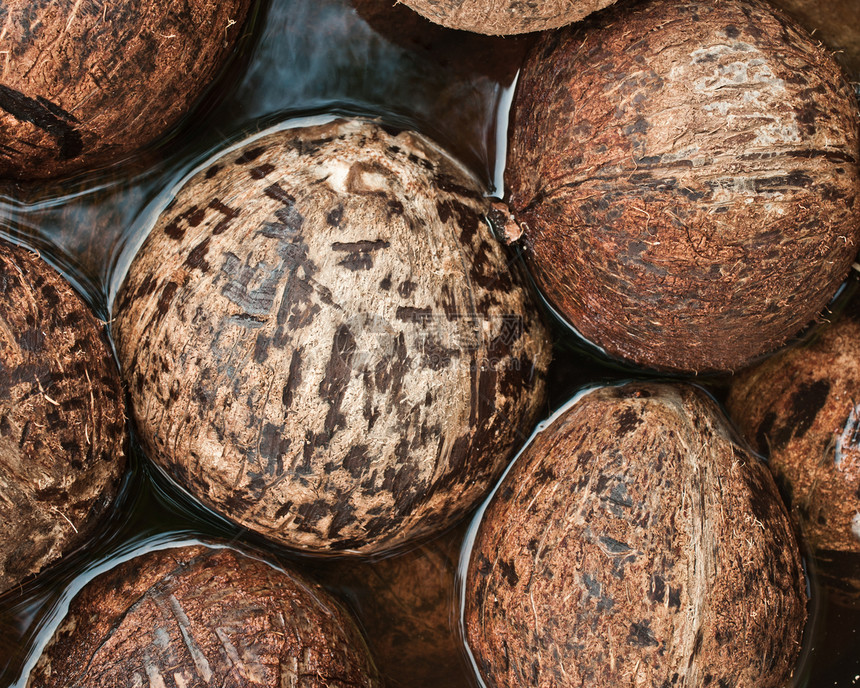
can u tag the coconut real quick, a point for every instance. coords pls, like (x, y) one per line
(634, 543)
(686, 178)
(801, 409)
(198, 615)
(505, 18)
(62, 423)
(324, 341)
(86, 84)
(406, 604)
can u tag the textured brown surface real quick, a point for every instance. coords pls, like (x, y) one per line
(686, 174)
(407, 607)
(62, 428)
(836, 23)
(200, 616)
(506, 17)
(85, 83)
(324, 341)
(802, 409)
(633, 544)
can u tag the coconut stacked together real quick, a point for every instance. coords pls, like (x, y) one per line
(324, 341)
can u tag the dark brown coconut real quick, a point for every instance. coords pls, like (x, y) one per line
(407, 607)
(324, 342)
(85, 84)
(507, 17)
(633, 543)
(201, 616)
(62, 425)
(801, 409)
(686, 178)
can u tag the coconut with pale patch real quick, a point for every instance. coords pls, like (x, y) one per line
(802, 410)
(85, 84)
(62, 424)
(634, 543)
(324, 341)
(507, 17)
(204, 616)
(686, 178)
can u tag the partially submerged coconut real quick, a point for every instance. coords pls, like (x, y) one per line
(202, 616)
(507, 17)
(407, 607)
(802, 410)
(686, 177)
(85, 84)
(324, 341)
(634, 543)
(62, 426)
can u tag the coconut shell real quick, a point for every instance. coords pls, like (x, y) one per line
(86, 84)
(202, 616)
(62, 423)
(801, 409)
(507, 17)
(406, 604)
(634, 543)
(324, 342)
(686, 178)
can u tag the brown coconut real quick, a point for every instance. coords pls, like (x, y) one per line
(202, 616)
(633, 543)
(407, 606)
(686, 178)
(86, 84)
(324, 342)
(62, 425)
(802, 410)
(507, 17)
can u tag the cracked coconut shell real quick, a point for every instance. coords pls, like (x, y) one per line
(800, 409)
(634, 543)
(86, 84)
(507, 17)
(62, 425)
(686, 178)
(324, 341)
(202, 616)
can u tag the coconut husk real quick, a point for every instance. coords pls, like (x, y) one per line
(686, 178)
(324, 341)
(62, 423)
(634, 543)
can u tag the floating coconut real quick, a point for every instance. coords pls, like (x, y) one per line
(86, 84)
(634, 543)
(685, 175)
(505, 18)
(407, 606)
(324, 341)
(62, 424)
(202, 616)
(802, 410)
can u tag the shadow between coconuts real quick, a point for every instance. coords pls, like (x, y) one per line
(816, 596)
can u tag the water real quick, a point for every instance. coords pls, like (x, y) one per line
(307, 58)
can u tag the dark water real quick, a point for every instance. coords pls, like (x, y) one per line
(305, 58)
